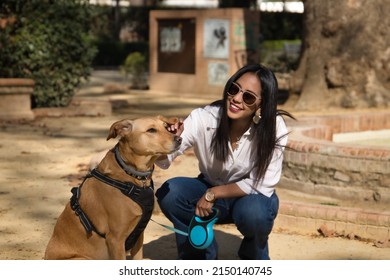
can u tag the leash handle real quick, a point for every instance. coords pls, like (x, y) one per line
(171, 228)
(201, 232)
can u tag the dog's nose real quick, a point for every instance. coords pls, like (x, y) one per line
(177, 139)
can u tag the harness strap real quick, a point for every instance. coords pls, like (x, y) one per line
(144, 197)
(146, 201)
(127, 188)
(74, 204)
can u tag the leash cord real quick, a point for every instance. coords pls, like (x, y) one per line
(171, 228)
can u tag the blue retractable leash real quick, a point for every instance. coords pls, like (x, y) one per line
(200, 231)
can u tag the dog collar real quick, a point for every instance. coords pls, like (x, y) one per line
(140, 175)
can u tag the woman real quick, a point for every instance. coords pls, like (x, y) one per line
(239, 143)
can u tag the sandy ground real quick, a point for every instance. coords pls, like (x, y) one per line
(43, 159)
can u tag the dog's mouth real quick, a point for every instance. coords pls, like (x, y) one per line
(170, 147)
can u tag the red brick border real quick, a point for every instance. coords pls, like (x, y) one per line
(317, 165)
(308, 218)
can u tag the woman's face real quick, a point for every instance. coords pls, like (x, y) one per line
(244, 97)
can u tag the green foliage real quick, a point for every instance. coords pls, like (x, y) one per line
(135, 66)
(49, 43)
(139, 18)
(111, 50)
(281, 26)
(280, 55)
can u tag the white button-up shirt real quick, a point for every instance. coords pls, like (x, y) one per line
(199, 128)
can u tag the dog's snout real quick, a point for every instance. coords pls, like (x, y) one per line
(178, 140)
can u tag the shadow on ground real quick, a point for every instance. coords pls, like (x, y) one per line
(228, 245)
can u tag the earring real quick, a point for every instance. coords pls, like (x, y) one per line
(257, 116)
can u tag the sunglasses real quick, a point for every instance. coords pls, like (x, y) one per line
(249, 98)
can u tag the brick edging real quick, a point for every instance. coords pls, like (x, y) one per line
(306, 217)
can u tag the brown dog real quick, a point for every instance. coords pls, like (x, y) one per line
(109, 211)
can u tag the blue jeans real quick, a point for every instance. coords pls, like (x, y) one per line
(253, 216)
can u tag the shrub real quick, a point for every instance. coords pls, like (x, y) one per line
(135, 66)
(280, 55)
(50, 43)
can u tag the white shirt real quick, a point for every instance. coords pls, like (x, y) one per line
(199, 128)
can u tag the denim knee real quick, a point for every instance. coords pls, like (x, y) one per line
(166, 192)
(258, 219)
(180, 194)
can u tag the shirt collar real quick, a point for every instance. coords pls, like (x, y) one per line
(215, 112)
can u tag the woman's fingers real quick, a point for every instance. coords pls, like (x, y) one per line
(177, 128)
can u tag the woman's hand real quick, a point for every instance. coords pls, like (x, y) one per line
(177, 128)
(203, 207)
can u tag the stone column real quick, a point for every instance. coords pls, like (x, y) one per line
(15, 99)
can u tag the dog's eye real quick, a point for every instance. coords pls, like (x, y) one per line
(152, 130)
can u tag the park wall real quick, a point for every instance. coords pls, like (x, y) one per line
(315, 165)
(196, 51)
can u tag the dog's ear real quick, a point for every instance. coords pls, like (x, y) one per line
(169, 121)
(120, 128)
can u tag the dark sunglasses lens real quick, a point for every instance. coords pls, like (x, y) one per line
(234, 89)
(248, 98)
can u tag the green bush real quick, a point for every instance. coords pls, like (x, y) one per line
(135, 67)
(276, 55)
(112, 52)
(49, 43)
(134, 64)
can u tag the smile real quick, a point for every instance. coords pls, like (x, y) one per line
(233, 108)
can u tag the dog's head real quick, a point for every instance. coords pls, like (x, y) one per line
(146, 136)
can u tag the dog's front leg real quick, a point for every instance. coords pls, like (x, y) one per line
(137, 250)
(116, 247)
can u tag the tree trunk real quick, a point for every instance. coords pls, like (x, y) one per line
(346, 55)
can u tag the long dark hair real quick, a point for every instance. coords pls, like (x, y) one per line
(265, 140)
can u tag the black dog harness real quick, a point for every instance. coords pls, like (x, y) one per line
(143, 196)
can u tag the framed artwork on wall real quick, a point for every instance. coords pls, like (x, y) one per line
(216, 38)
